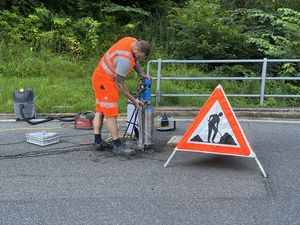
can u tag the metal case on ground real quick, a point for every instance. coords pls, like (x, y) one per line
(42, 138)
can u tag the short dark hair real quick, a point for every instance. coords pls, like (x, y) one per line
(144, 47)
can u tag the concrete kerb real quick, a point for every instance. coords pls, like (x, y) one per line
(280, 113)
(11, 116)
(190, 112)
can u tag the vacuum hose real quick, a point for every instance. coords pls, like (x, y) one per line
(61, 118)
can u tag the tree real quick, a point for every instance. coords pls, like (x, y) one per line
(202, 32)
(274, 34)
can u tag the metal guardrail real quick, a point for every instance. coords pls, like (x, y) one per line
(159, 78)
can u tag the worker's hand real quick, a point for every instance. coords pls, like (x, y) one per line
(148, 77)
(144, 76)
(138, 104)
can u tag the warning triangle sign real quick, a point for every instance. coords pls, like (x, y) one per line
(216, 129)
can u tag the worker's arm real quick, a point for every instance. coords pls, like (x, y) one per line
(120, 82)
(138, 68)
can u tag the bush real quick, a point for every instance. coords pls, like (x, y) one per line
(45, 30)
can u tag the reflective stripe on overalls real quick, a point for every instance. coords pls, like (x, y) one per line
(120, 50)
(107, 105)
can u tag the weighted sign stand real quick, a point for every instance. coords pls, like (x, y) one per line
(255, 157)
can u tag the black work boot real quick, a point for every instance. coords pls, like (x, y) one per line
(102, 146)
(122, 149)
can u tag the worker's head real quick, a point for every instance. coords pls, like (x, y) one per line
(220, 114)
(141, 49)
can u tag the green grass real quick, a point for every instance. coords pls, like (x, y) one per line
(62, 83)
(21, 61)
(53, 94)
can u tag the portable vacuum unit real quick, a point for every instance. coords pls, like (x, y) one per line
(24, 100)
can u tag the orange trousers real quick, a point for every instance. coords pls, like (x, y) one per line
(106, 94)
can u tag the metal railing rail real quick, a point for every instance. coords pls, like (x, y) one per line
(263, 78)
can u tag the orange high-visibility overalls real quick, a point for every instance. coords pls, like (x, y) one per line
(117, 60)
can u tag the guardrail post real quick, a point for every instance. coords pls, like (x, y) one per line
(158, 81)
(263, 81)
(148, 67)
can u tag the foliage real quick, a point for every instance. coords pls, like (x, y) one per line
(44, 29)
(202, 32)
(266, 5)
(274, 35)
(40, 39)
(199, 29)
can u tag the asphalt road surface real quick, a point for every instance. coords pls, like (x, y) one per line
(66, 183)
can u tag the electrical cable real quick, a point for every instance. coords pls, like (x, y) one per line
(12, 143)
(20, 142)
(59, 150)
(54, 151)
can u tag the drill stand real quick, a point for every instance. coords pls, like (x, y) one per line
(145, 117)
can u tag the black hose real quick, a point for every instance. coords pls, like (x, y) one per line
(60, 118)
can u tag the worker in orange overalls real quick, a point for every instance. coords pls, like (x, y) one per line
(108, 79)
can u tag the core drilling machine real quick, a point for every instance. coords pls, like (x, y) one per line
(145, 116)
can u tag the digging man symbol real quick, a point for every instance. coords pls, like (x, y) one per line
(213, 125)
